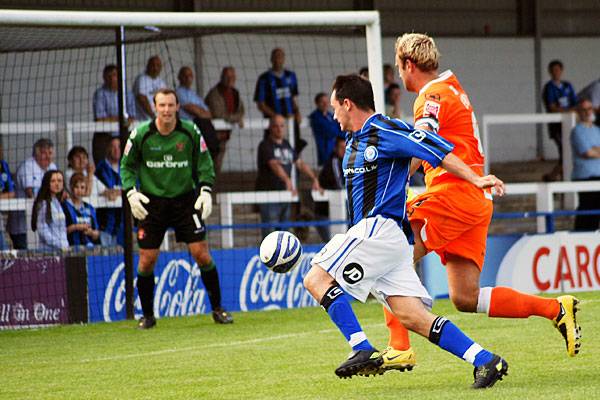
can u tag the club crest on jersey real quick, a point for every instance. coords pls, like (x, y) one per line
(180, 146)
(431, 109)
(371, 154)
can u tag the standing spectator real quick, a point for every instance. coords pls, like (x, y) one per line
(275, 159)
(110, 219)
(82, 225)
(176, 194)
(144, 87)
(106, 109)
(331, 177)
(7, 191)
(585, 142)
(47, 217)
(224, 102)
(558, 96)
(28, 182)
(325, 128)
(79, 162)
(592, 93)
(393, 95)
(276, 94)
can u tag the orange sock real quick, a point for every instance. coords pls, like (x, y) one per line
(399, 339)
(509, 303)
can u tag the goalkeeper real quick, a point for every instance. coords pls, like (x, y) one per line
(169, 159)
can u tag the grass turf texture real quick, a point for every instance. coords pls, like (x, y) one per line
(289, 354)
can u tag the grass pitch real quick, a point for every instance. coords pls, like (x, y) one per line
(289, 354)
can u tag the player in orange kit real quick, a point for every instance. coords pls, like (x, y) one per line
(452, 217)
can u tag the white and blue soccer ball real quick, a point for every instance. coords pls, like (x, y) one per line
(280, 251)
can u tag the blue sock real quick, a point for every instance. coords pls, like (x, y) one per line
(447, 335)
(341, 313)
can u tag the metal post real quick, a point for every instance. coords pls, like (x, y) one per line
(124, 133)
(537, 66)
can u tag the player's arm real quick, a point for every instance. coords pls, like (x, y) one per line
(205, 169)
(458, 168)
(130, 163)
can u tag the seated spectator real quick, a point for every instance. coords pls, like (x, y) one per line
(585, 142)
(106, 109)
(224, 102)
(47, 217)
(110, 219)
(82, 225)
(275, 159)
(78, 162)
(144, 87)
(364, 72)
(193, 108)
(558, 96)
(325, 128)
(393, 95)
(28, 182)
(7, 191)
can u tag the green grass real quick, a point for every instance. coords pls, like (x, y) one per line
(288, 354)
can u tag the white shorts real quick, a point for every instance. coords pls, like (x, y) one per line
(374, 257)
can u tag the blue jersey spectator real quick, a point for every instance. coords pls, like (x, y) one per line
(82, 225)
(325, 128)
(109, 219)
(558, 96)
(7, 191)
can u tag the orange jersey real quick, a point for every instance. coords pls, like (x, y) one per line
(443, 106)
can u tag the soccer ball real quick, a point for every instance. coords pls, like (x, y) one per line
(280, 251)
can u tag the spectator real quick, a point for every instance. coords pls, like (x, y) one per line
(364, 72)
(47, 217)
(81, 222)
(224, 102)
(325, 128)
(331, 177)
(276, 94)
(275, 159)
(592, 93)
(78, 162)
(193, 108)
(191, 105)
(585, 142)
(558, 96)
(106, 109)
(393, 95)
(110, 219)
(388, 76)
(28, 182)
(144, 87)
(7, 191)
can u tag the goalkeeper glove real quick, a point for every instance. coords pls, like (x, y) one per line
(204, 202)
(135, 201)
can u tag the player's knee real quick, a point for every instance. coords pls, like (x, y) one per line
(464, 302)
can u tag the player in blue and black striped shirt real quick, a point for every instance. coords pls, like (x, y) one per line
(375, 255)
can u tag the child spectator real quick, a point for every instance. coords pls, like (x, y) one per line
(79, 162)
(47, 217)
(82, 225)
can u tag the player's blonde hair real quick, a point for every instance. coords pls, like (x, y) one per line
(418, 48)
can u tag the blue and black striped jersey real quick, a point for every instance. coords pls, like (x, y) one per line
(377, 164)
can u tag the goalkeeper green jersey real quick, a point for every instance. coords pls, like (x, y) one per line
(166, 166)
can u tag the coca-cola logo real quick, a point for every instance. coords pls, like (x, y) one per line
(179, 291)
(264, 289)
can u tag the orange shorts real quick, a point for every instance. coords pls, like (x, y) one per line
(456, 216)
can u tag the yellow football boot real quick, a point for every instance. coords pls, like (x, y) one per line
(566, 323)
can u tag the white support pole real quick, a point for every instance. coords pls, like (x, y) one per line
(375, 63)
(485, 138)
(544, 203)
(567, 125)
(226, 215)
(337, 209)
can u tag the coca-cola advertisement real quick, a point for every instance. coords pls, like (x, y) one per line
(33, 292)
(246, 284)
